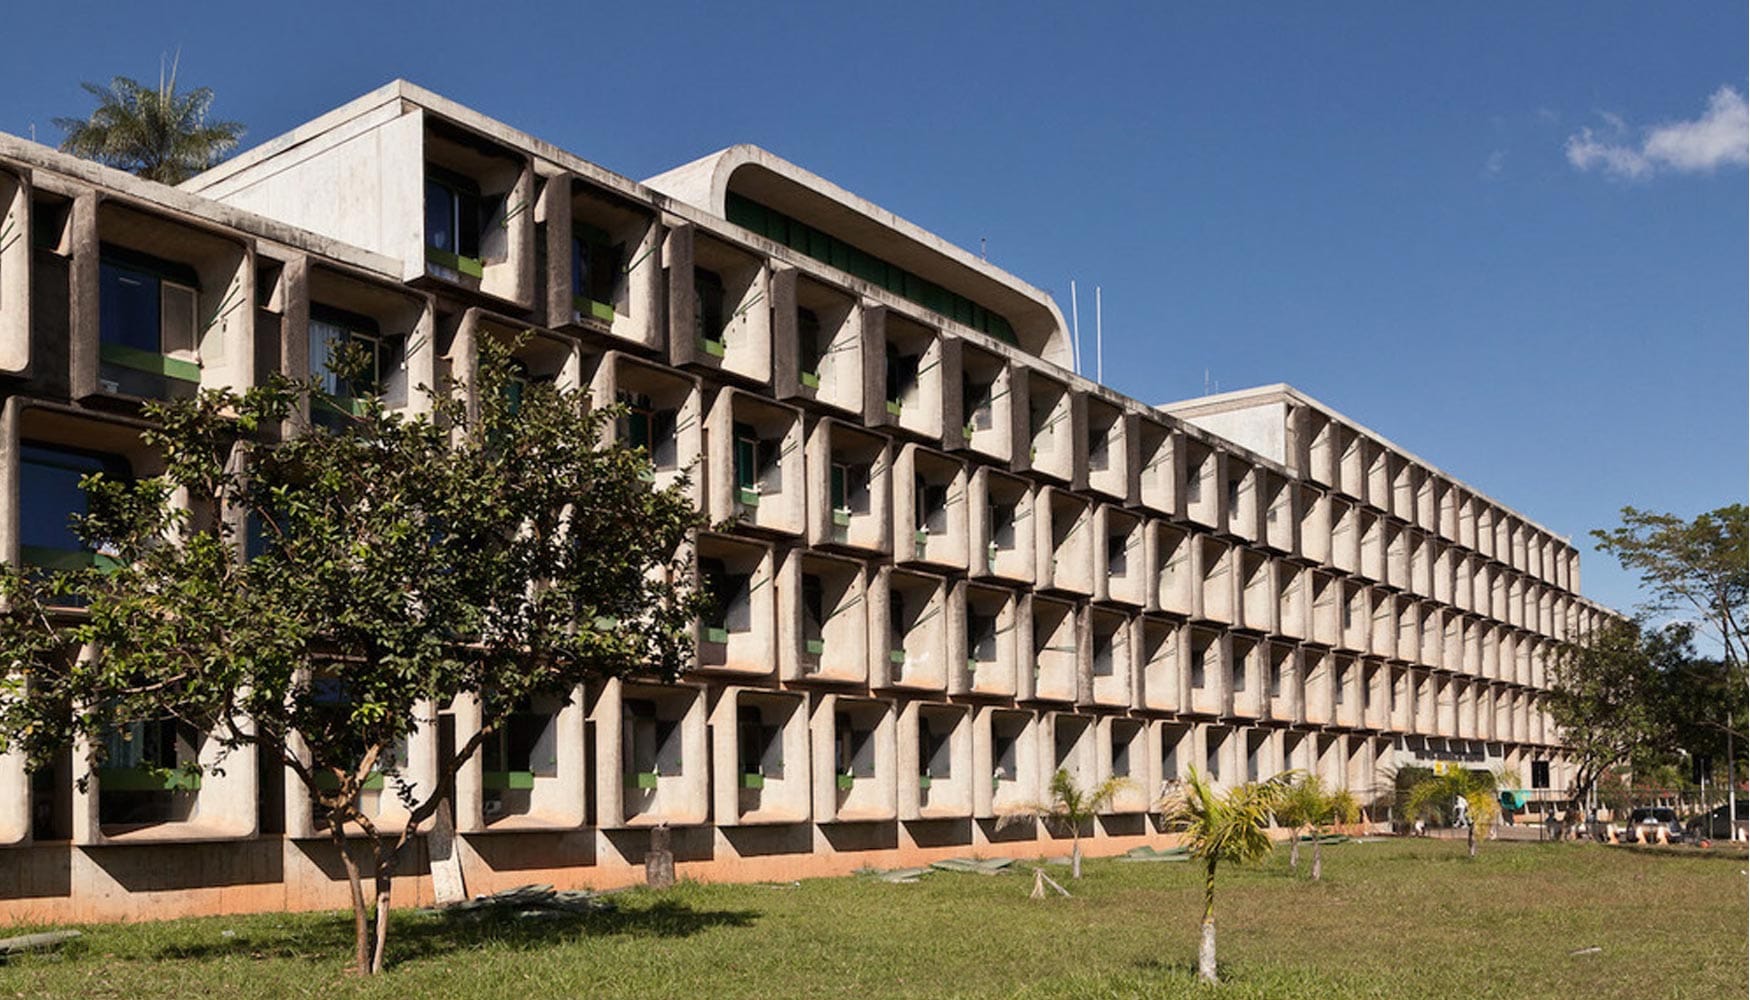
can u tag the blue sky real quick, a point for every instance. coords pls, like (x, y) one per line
(1470, 227)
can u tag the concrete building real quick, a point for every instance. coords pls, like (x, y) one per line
(956, 565)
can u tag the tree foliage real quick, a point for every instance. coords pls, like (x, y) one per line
(1701, 567)
(1233, 827)
(156, 133)
(320, 597)
(1071, 807)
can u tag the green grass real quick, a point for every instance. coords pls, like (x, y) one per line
(1392, 919)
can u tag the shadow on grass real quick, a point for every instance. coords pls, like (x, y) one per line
(417, 935)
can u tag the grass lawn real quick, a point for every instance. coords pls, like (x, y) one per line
(1391, 919)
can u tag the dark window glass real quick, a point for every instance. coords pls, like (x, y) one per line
(49, 496)
(808, 346)
(129, 307)
(708, 303)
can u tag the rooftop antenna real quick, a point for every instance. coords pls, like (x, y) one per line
(1099, 342)
(1075, 325)
(983, 248)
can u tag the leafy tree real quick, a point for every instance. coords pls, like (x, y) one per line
(1698, 570)
(159, 134)
(1431, 797)
(1068, 807)
(1612, 695)
(1233, 827)
(1700, 566)
(317, 597)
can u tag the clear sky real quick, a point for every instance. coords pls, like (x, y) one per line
(1510, 237)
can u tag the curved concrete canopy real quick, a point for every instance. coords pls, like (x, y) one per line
(783, 186)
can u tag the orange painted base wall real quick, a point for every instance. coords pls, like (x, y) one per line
(60, 883)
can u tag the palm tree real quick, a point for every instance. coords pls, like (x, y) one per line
(159, 134)
(1232, 827)
(1451, 783)
(1068, 806)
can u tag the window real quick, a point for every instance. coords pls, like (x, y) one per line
(139, 773)
(147, 323)
(729, 598)
(813, 615)
(1342, 683)
(761, 747)
(1197, 668)
(708, 318)
(1005, 751)
(809, 350)
(935, 751)
(1116, 551)
(747, 460)
(1540, 774)
(805, 239)
(523, 748)
(1194, 484)
(932, 507)
(333, 336)
(1002, 526)
(902, 377)
(854, 753)
(978, 403)
(595, 268)
(1349, 611)
(453, 214)
(49, 497)
(1275, 680)
(981, 636)
(1105, 655)
(1097, 448)
(1212, 760)
(896, 627)
(1239, 675)
(1233, 497)
(1169, 756)
(656, 744)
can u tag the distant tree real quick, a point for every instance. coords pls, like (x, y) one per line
(1068, 807)
(315, 596)
(158, 134)
(1234, 827)
(1618, 694)
(1433, 797)
(1698, 570)
(1700, 566)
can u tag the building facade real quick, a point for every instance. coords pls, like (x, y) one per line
(957, 566)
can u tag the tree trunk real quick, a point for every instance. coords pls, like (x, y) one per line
(1470, 837)
(1075, 857)
(385, 876)
(361, 936)
(1206, 946)
(1318, 866)
(1294, 850)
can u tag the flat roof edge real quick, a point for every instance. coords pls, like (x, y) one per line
(1188, 409)
(152, 193)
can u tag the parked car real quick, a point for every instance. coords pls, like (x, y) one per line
(1647, 821)
(1713, 825)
